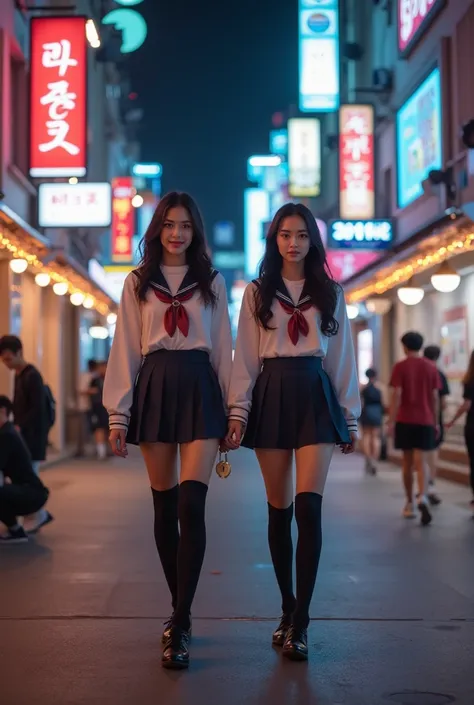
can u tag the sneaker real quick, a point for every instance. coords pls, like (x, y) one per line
(426, 517)
(434, 499)
(14, 536)
(408, 511)
(41, 518)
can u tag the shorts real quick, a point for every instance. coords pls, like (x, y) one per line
(410, 436)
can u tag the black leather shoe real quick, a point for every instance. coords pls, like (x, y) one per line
(279, 635)
(295, 647)
(167, 631)
(176, 653)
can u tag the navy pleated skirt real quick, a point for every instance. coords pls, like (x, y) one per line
(177, 399)
(294, 405)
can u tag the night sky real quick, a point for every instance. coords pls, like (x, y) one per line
(209, 77)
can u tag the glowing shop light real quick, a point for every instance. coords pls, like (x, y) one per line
(147, 169)
(98, 332)
(60, 288)
(92, 34)
(77, 298)
(445, 279)
(88, 302)
(111, 319)
(42, 279)
(265, 160)
(352, 311)
(410, 295)
(18, 265)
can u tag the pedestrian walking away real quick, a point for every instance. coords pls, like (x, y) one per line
(433, 353)
(467, 407)
(413, 420)
(24, 493)
(371, 420)
(294, 392)
(165, 389)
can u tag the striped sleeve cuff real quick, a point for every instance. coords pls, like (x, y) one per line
(239, 414)
(352, 425)
(118, 421)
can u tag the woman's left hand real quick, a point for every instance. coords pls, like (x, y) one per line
(348, 448)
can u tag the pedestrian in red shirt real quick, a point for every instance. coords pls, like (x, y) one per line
(413, 419)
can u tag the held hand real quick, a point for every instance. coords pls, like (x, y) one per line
(234, 435)
(390, 430)
(117, 442)
(448, 426)
(348, 448)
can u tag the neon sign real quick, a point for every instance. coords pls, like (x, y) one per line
(130, 22)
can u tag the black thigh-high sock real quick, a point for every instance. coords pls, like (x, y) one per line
(281, 550)
(308, 551)
(192, 546)
(167, 536)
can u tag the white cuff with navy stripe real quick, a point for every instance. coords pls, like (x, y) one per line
(239, 414)
(118, 421)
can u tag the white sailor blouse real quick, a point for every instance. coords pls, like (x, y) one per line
(173, 317)
(295, 332)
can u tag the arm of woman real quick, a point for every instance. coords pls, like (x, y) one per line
(463, 408)
(124, 359)
(340, 364)
(221, 338)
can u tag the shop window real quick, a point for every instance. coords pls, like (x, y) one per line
(19, 122)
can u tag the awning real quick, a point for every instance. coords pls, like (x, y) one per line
(21, 241)
(440, 240)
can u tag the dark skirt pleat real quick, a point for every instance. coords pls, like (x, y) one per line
(294, 405)
(177, 399)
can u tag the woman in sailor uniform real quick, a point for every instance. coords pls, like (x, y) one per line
(294, 390)
(167, 379)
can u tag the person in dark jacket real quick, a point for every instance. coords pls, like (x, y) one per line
(371, 421)
(23, 493)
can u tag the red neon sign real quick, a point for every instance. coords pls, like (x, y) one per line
(58, 113)
(413, 18)
(123, 219)
(356, 162)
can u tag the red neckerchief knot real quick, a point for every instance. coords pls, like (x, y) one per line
(297, 323)
(176, 315)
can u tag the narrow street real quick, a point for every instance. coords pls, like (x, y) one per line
(81, 607)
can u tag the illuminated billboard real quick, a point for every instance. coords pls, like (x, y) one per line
(256, 213)
(419, 138)
(356, 162)
(123, 220)
(318, 27)
(413, 20)
(84, 205)
(58, 97)
(304, 157)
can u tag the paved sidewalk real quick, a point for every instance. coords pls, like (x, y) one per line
(81, 607)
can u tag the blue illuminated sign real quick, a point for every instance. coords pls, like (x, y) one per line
(130, 22)
(419, 139)
(360, 234)
(279, 142)
(318, 55)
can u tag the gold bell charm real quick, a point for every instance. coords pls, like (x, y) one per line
(223, 467)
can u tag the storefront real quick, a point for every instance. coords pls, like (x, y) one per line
(51, 303)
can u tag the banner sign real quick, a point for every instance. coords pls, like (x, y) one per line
(58, 97)
(123, 219)
(356, 162)
(304, 157)
(360, 234)
(318, 30)
(84, 205)
(414, 17)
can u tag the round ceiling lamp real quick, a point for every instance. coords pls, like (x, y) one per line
(379, 307)
(112, 319)
(77, 298)
(445, 279)
(352, 311)
(18, 265)
(42, 279)
(410, 295)
(60, 288)
(98, 332)
(88, 302)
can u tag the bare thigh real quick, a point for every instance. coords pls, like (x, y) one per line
(312, 466)
(197, 460)
(160, 460)
(277, 476)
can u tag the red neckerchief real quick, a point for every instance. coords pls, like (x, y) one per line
(297, 323)
(176, 315)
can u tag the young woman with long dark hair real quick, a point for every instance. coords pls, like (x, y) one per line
(467, 407)
(294, 390)
(173, 332)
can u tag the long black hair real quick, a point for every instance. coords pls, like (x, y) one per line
(197, 257)
(320, 285)
(469, 376)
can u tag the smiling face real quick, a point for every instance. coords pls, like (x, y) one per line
(177, 232)
(293, 239)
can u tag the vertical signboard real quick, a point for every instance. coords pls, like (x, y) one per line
(304, 157)
(123, 220)
(356, 162)
(318, 27)
(58, 97)
(256, 213)
(414, 17)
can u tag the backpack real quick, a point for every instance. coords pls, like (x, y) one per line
(50, 406)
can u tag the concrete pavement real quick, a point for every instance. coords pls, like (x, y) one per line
(81, 607)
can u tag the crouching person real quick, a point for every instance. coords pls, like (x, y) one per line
(22, 492)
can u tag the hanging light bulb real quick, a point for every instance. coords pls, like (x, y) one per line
(88, 302)
(18, 265)
(352, 311)
(112, 318)
(60, 288)
(77, 298)
(42, 279)
(99, 332)
(410, 295)
(445, 279)
(379, 307)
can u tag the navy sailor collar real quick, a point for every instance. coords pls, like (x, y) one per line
(283, 295)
